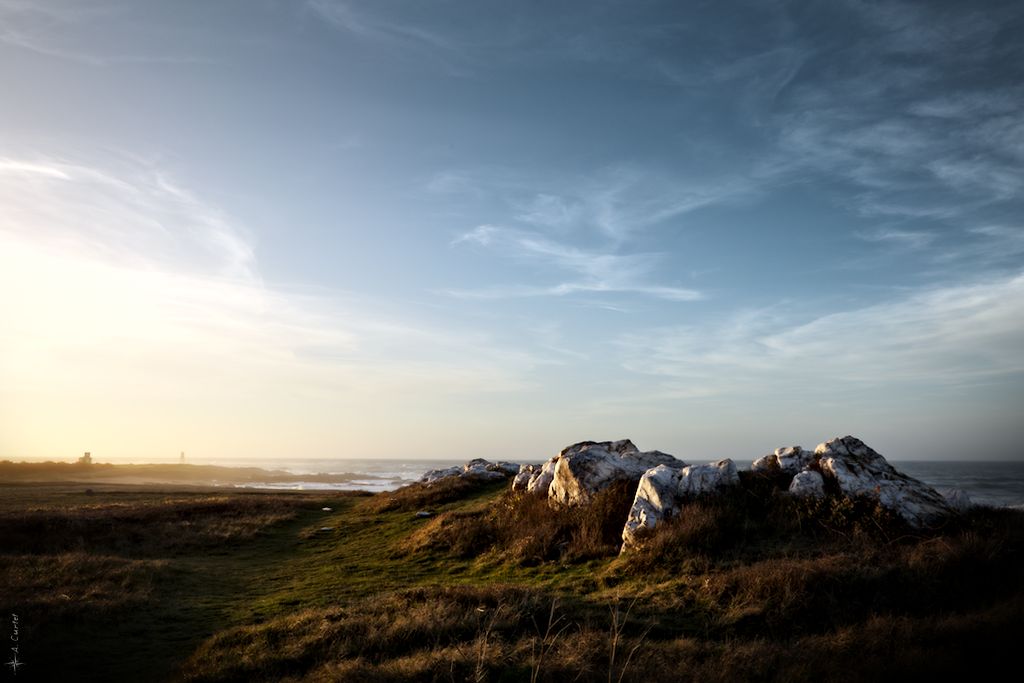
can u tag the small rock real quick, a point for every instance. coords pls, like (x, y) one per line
(788, 460)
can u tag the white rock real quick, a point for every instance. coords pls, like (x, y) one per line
(697, 480)
(431, 476)
(477, 468)
(807, 483)
(583, 469)
(540, 480)
(509, 468)
(664, 488)
(788, 459)
(522, 478)
(957, 499)
(861, 472)
(657, 498)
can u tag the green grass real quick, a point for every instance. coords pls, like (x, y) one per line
(149, 583)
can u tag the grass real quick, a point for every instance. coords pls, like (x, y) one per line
(137, 583)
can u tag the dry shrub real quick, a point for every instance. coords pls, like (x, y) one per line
(462, 533)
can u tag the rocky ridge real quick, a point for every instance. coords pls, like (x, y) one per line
(843, 467)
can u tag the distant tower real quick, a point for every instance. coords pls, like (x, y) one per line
(182, 460)
(85, 459)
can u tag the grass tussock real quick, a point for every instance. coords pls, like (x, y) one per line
(506, 634)
(71, 583)
(460, 633)
(418, 496)
(528, 530)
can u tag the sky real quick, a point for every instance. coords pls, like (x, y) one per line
(393, 229)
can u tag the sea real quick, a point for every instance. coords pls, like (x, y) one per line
(987, 483)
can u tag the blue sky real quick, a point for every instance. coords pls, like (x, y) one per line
(395, 228)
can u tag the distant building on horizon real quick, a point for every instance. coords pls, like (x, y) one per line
(85, 459)
(182, 460)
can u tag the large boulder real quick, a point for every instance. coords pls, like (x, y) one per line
(697, 480)
(663, 490)
(657, 498)
(859, 472)
(808, 484)
(583, 469)
(785, 460)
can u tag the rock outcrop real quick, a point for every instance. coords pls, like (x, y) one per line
(785, 460)
(535, 478)
(859, 471)
(663, 490)
(478, 468)
(848, 467)
(583, 469)
(957, 499)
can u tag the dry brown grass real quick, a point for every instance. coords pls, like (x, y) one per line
(53, 585)
(468, 634)
(432, 634)
(528, 530)
(139, 529)
(415, 497)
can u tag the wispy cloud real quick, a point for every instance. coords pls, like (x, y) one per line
(122, 273)
(877, 122)
(443, 48)
(346, 17)
(615, 203)
(592, 271)
(138, 218)
(940, 336)
(907, 239)
(77, 32)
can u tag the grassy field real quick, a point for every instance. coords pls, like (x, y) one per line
(139, 583)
